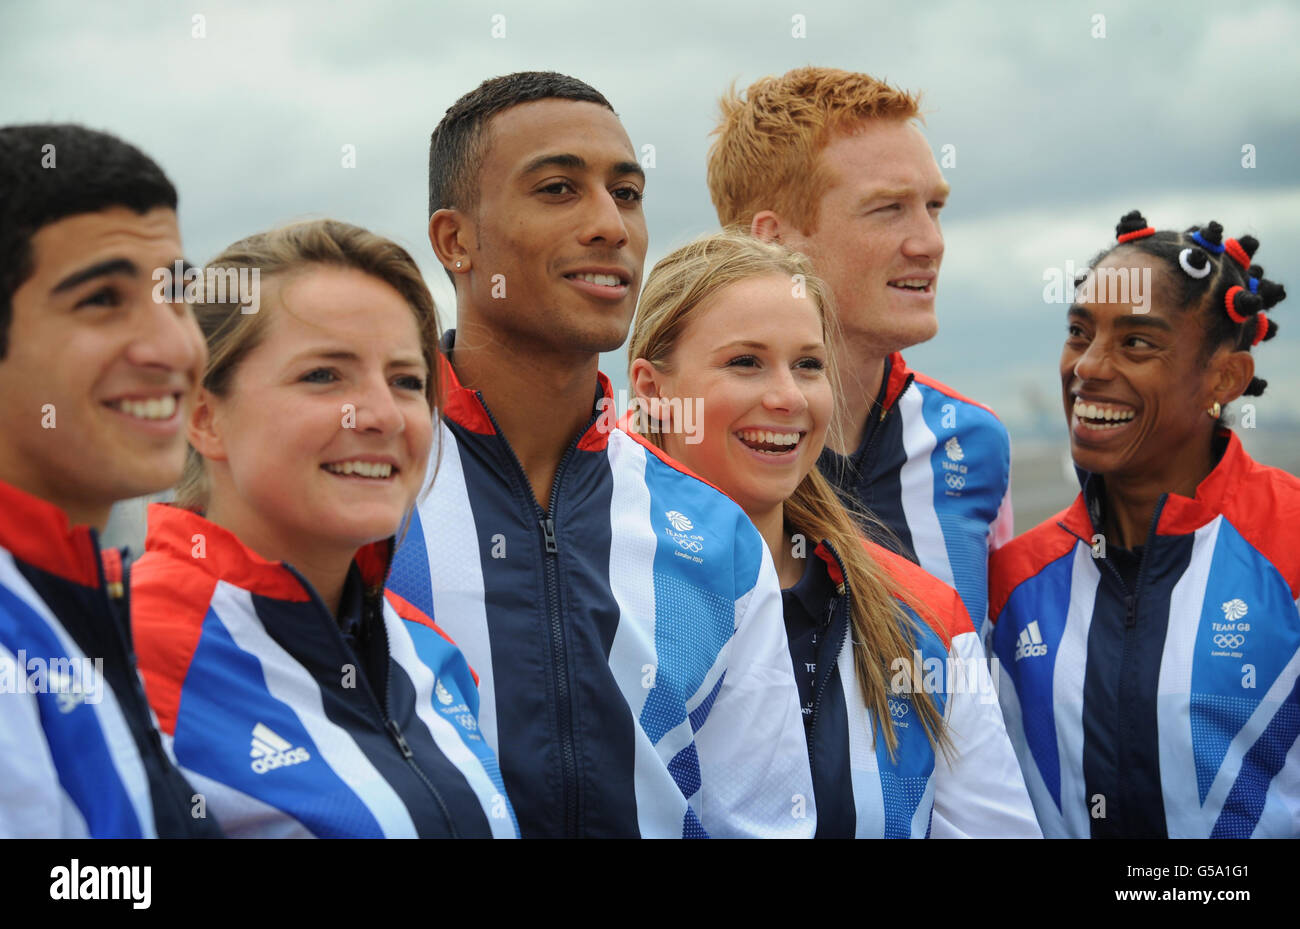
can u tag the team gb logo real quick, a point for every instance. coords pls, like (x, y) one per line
(1234, 609)
(679, 521)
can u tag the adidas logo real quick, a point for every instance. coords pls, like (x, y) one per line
(271, 752)
(1030, 644)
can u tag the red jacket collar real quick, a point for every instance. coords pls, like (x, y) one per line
(462, 406)
(1181, 515)
(184, 535)
(38, 533)
(1214, 495)
(897, 380)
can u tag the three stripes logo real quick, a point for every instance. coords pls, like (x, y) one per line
(271, 752)
(1030, 644)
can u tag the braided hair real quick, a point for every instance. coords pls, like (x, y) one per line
(1213, 277)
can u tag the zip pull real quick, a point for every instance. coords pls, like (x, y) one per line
(396, 732)
(548, 530)
(830, 613)
(1130, 616)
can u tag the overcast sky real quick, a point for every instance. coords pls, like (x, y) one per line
(1057, 131)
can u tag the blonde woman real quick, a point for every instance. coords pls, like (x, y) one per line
(299, 698)
(904, 731)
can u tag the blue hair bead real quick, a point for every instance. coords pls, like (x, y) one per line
(1212, 249)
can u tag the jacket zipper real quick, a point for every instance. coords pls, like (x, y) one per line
(559, 652)
(119, 614)
(1130, 623)
(833, 652)
(385, 709)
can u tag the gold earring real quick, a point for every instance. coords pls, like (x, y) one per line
(1215, 410)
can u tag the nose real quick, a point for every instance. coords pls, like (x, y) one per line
(925, 237)
(783, 394)
(377, 411)
(1093, 363)
(168, 339)
(603, 223)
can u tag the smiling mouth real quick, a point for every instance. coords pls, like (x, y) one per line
(1102, 417)
(770, 443)
(916, 285)
(153, 409)
(612, 281)
(368, 470)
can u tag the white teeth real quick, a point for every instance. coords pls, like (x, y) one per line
(770, 438)
(153, 408)
(911, 283)
(605, 280)
(1110, 416)
(363, 468)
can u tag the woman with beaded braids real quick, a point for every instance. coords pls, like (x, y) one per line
(1148, 637)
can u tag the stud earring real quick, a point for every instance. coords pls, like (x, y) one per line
(458, 264)
(1215, 410)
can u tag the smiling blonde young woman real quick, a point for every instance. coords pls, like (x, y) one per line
(898, 747)
(298, 697)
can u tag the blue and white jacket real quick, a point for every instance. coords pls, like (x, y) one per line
(80, 755)
(285, 728)
(629, 637)
(973, 790)
(935, 468)
(1165, 702)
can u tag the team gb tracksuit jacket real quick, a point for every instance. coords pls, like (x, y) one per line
(935, 468)
(629, 636)
(284, 727)
(80, 755)
(1161, 700)
(974, 790)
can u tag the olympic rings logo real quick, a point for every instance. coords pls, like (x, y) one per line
(691, 545)
(1223, 640)
(898, 709)
(955, 481)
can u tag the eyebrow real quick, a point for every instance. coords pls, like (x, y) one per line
(342, 354)
(748, 343)
(1125, 321)
(578, 163)
(942, 192)
(99, 269)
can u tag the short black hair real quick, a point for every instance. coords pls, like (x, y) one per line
(1202, 270)
(50, 171)
(456, 145)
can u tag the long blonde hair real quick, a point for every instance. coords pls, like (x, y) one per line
(680, 284)
(231, 334)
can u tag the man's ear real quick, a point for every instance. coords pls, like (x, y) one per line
(449, 234)
(766, 225)
(203, 429)
(1230, 375)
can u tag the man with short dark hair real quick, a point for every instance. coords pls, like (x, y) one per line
(95, 380)
(624, 616)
